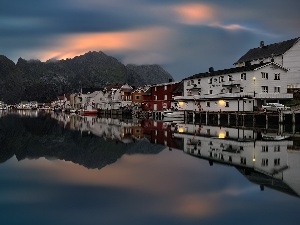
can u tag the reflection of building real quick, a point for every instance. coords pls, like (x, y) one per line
(261, 161)
(159, 132)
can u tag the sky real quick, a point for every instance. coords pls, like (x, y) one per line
(185, 37)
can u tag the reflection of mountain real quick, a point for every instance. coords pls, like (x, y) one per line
(274, 164)
(43, 137)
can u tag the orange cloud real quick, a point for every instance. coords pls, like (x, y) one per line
(69, 46)
(194, 13)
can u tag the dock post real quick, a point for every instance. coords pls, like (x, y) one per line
(293, 118)
(194, 121)
(280, 117)
(206, 117)
(267, 121)
(228, 119)
(219, 118)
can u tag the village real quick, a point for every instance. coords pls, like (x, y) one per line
(262, 80)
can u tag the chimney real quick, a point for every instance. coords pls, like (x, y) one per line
(262, 44)
(211, 69)
(170, 80)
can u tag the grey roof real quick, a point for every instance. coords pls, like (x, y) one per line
(268, 50)
(230, 71)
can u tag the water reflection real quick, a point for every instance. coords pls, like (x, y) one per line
(125, 168)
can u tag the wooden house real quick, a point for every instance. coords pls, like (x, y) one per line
(285, 54)
(159, 97)
(234, 89)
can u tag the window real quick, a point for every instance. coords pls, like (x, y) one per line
(264, 89)
(188, 83)
(226, 104)
(243, 76)
(230, 90)
(166, 97)
(166, 88)
(229, 77)
(137, 97)
(243, 160)
(241, 89)
(155, 97)
(207, 104)
(210, 91)
(264, 148)
(209, 80)
(277, 148)
(276, 89)
(199, 81)
(155, 88)
(264, 75)
(264, 162)
(277, 162)
(277, 76)
(221, 79)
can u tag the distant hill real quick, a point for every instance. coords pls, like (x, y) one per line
(43, 81)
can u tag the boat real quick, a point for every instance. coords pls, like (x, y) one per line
(274, 137)
(88, 111)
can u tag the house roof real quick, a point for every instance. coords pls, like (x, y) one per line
(89, 90)
(233, 70)
(267, 51)
(178, 89)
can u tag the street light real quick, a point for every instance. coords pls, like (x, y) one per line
(254, 79)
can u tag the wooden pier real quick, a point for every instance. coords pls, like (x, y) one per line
(244, 119)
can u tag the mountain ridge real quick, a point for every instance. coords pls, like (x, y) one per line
(29, 80)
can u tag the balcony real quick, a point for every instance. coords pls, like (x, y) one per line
(232, 83)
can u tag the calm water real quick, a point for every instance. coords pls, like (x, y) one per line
(57, 169)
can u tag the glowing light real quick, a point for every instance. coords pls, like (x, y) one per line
(180, 104)
(221, 135)
(180, 130)
(222, 102)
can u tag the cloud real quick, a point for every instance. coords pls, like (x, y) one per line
(194, 13)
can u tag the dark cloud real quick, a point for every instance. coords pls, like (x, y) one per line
(235, 26)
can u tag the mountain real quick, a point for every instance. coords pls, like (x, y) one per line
(29, 80)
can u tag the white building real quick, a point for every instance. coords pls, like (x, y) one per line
(270, 163)
(235, 89)
(286, 54)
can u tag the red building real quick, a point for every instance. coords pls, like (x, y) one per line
(159, 97)
(158, 132)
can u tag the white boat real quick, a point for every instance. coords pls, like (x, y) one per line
(274, 137)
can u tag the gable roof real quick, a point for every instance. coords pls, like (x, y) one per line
(268, 50)
(233, 70)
